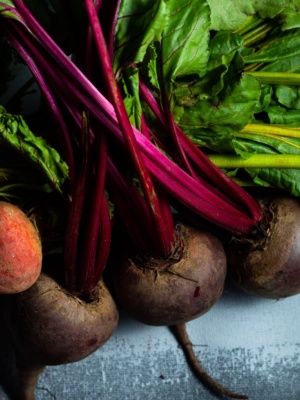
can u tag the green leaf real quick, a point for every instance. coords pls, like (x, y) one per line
(139, 24)
(223, 47)
(282, 54)
(130, 85)
(281, 116)
(255, 143)
(15, 134)
(231, 14)
(265, 99)
(188, 94)
(288, 96)
(184, 44)
(224, 64)
(227, 112)
(287, 179)
(149, 66)
(290, 17)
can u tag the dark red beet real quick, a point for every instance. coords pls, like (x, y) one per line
(50, 326)
(175, 290)
(172, 291)
(268, 264)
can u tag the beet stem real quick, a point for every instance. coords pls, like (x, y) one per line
(163, 240)
(188, 190)
(183, 339)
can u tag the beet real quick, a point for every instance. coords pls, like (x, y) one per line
(20, 250)
(174, 290)
(50, 326)
(267, 264)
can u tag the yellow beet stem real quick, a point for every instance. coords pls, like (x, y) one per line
(267, 129)
(256, 161)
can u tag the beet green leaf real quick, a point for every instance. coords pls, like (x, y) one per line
(15, 133)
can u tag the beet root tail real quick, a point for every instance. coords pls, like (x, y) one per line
(27, 378)
(183, 339)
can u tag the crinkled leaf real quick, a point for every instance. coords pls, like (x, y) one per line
(265, 99)
(226, 15)
(204, 89)
(15, 132)
(288, 96)
(290, 16)
(229, 111)
(224, 43)
(231, 14)
(224, 59)
(281, 116)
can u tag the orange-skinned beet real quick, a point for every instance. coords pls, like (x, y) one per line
(20, 250)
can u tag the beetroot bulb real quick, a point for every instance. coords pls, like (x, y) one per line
(20, 250)
(50, 326)
(268, 264)
(174, 290)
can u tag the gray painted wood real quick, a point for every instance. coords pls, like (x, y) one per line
(250, 345)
